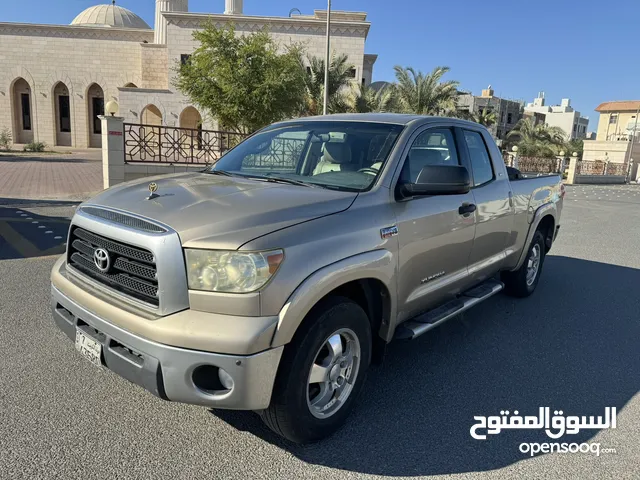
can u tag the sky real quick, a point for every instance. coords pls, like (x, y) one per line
(584, 50)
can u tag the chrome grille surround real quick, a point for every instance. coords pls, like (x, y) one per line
(148, 265)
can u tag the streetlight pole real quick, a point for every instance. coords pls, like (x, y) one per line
(327, 61)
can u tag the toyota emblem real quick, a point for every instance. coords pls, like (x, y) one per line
(102, 260)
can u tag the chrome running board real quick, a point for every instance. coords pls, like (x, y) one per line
(427, 321)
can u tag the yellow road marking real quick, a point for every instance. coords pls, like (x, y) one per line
(16, 241)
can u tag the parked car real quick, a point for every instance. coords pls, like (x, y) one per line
(271, 280)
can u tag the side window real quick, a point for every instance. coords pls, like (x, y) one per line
(479, 156)
(432, 147)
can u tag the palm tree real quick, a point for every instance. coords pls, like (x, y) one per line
(366, 99)
(485, 117)
(340, 77)
(425, 94)
(575, 145)
(537, 140)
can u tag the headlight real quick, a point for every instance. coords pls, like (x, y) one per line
(231, 272)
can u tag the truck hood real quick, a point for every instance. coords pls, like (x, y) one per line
(218, 212)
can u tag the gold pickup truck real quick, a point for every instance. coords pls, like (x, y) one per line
(271, 280)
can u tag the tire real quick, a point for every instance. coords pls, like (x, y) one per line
(292, 413)
(517, 283)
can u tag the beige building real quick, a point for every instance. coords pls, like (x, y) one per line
(563, 116)
(56, 79)
(618, 120)
(508, 112)
(617, 139)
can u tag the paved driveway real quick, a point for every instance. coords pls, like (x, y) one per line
(574, 346)
(51, 176)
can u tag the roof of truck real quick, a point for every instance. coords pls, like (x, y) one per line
(392, 118)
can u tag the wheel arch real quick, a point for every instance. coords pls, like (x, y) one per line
(367, 279)
(544, 216)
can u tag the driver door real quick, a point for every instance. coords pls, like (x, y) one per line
(435, 239)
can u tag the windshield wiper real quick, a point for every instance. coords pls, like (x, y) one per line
(218, 172)
(289, 181)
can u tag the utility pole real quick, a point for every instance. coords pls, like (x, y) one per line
(327, 61)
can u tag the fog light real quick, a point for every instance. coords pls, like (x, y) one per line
(225, 379)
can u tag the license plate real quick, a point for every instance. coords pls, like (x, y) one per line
(89, 348)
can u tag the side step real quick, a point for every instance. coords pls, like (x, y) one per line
(427, 321)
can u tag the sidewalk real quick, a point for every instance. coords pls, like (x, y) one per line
(45, 176)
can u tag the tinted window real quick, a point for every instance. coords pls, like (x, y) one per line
(433, 147)
(65, 113)
(480, 159)
(98, 109)
(26, 112)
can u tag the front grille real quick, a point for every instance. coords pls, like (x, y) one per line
(132, 272)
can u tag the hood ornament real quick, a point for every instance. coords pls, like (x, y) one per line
(153, 188)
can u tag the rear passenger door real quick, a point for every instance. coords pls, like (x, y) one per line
(434, 237)
(492, 197)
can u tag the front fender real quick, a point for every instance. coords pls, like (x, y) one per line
(377, 264)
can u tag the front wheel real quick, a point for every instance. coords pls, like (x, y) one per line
(321, 373)
(523, 281)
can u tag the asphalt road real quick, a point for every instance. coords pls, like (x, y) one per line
(574, 346)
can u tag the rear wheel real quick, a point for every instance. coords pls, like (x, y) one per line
(321, 373)
(523, 281)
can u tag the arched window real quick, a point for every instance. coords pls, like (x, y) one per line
(62, 114)
(22, 111)
(95, 108)
(151, 115)
(190, 118)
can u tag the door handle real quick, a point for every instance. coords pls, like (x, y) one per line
(467, 208)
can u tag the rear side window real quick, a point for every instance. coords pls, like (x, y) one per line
(432, 147)
(480, 159)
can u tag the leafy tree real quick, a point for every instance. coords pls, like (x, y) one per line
(425, 94)
(244, 82)
(539, 140)
(366, 99)
(340, 79)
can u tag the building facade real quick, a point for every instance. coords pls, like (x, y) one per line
(618, 120)
(617, 139)
(57, 79)
(563, 116)
(508, 112)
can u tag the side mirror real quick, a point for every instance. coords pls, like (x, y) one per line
(438, 180)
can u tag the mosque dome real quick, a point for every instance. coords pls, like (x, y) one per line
(110, 16)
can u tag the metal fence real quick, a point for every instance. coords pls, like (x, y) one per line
(173, 145)
(600, 167)
(535, 164)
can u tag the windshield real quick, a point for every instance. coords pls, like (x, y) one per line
(338, 155)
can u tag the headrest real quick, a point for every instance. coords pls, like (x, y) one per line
(426, 156)
(336, 152)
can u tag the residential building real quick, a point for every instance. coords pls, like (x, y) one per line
(508, 112)
(563, 116)
(617, 119)
(56, 79)
(537, 117)
(617, 138)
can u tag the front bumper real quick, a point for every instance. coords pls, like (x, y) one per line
(167, 371)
